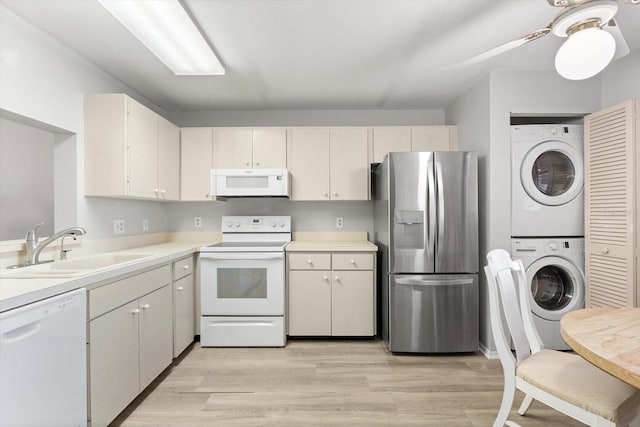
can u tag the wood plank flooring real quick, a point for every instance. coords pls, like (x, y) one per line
(327, 383)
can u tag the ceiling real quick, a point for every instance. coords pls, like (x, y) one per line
(318, 54)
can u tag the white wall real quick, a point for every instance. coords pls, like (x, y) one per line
(621, 80)
(44, 81)
(308, 118)
(26, 187)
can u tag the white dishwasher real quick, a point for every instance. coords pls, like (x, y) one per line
(43, 361)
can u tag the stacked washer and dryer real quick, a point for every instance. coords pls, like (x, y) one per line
(547, 221)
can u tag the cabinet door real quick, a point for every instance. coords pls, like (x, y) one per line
(349, 164)
(309, 303)
(196, 148)
(610, 201)
(430, 138)
(113, 344)
(269, 148)
(234, 149)
(142, 151)
(184, 323)
(309, 164)
(390, 139)
(352, 303)
(168, 160)
(156, 334)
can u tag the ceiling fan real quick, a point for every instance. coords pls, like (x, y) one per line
(593, 38)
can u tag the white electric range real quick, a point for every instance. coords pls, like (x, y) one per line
(242, 283)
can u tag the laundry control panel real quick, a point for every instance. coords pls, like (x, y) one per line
(547, 246)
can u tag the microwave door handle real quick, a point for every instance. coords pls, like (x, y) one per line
(241, 256)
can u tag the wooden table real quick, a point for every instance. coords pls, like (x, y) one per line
(607, 337)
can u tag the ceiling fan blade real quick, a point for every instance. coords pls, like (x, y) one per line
(622, 48)
(535, 35)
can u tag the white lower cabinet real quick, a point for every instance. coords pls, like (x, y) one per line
(184, 316)
(130, 340)
(331, 294)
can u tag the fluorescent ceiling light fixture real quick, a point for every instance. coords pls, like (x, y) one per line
(166, 29)
(585, 53)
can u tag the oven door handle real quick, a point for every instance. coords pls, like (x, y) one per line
(242, 256)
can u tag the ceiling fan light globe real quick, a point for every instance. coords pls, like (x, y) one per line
(585, 53)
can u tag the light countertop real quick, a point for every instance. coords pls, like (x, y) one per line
(15, 292)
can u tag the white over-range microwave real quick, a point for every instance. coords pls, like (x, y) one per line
(250, 183)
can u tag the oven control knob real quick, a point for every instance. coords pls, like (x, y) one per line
(281, 224)
(553, 246)
(229, 223)
(273, 223)
(237, 223)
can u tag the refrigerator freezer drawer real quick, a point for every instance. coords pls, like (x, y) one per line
(433, 313)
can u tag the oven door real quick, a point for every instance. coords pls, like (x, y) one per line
(242, 283)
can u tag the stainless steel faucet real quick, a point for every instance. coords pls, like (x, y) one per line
(34, 248)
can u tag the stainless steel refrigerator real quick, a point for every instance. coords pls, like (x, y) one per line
(426, 226)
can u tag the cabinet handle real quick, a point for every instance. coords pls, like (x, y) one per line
(248, 164)
(325, 278)
(325, 194)
(180, 288)
(156, 190)
(605, 250)
(337, 279)
(335, 194)
(309, 262)
(135, 311)
(185, 267)
(145, 306)
(257, 163)
(352, 262)
(163, 191)
(206, 195)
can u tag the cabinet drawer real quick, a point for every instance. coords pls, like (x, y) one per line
(182, 268)
(309, 261)
(112, 295)
(352, 261)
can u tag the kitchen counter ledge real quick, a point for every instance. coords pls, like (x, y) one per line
(15, 292)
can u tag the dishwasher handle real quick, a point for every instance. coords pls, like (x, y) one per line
(432, 282)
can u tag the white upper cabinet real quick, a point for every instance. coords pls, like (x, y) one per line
(412, 138)
(349, 166)
(390, 139)
(197, 147)
(251, 148)
(130, 151)
(309, 163)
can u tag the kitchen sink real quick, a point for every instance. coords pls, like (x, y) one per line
(74, 267)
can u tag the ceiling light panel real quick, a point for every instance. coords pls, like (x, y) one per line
(166, 29)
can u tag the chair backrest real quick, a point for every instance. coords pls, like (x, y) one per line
(509, 300)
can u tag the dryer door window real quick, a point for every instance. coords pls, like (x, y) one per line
(552, 288)
(552, 173)
(556, 285)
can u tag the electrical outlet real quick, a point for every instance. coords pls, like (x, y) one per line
(197, 222)
(339, 222)
(118, 226)
(145, 224)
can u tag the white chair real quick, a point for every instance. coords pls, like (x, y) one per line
(561, 380)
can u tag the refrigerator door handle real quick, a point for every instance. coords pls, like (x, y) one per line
(431, 205)
(441, 212)
(427, 282)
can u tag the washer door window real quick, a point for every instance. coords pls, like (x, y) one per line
(556, 286)
(552, 173)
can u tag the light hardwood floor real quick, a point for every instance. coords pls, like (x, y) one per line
(327, 383)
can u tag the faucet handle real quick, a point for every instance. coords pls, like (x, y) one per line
(32, 234)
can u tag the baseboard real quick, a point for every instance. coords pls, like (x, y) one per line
(489, 354)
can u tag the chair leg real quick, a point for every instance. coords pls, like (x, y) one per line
(507, 401)
(526, 402)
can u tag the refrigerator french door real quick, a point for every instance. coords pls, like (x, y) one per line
(426, 224)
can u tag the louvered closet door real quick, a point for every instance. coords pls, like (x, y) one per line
(610, 206)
